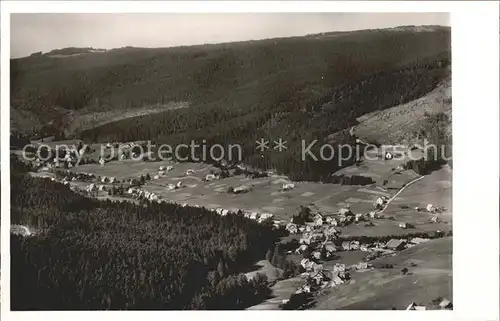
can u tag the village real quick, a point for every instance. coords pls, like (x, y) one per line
(317, 233)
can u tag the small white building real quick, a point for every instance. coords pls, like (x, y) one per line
(102, 161)
(242, 189)
(380, 201)
(266, 216)
(388, 156)
(288, 186)
(190, 172)
(210, 177)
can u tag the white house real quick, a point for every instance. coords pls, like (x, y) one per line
(288, 186)
(434, 219)
(266, 216)
(291, 228)
(190, 171)
(388, 156)
(178, 185)
(345, 211)
(242, 189)
(254, 215)
(162, 168)
(156, 177)
(102, 161)
(210, 177)
(380, 201)
(430, 208)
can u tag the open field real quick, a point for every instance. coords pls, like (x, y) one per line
(266, 195)
(387, 288)
(282, 290)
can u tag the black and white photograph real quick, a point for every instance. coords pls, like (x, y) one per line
(231, 161)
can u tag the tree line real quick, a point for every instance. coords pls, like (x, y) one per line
(92, 254)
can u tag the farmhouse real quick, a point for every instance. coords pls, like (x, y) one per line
(434, 219)
(396, 245)
(241, 189)
(345, 212)
(405, 225)
(330, 247)
(254, 216)
(350, 245)
(210, 177)
(266, 216)
(291, 228)
(331, 232)
(288, 186)
(445, 304)
(318, 220)
(380, 202)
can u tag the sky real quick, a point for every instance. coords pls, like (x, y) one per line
(33, 32)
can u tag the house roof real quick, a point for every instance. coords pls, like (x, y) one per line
(444, 303)
(394, 243)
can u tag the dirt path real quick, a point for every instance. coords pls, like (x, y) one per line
(399, 192)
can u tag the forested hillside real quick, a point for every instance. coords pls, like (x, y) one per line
(89, 254)
(299, 89)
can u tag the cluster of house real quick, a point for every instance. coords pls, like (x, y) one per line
(343, 217)
(95, 187)
(432, 210)
(259, 217)
(171, 187)
(140, 193)
(316, 277)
